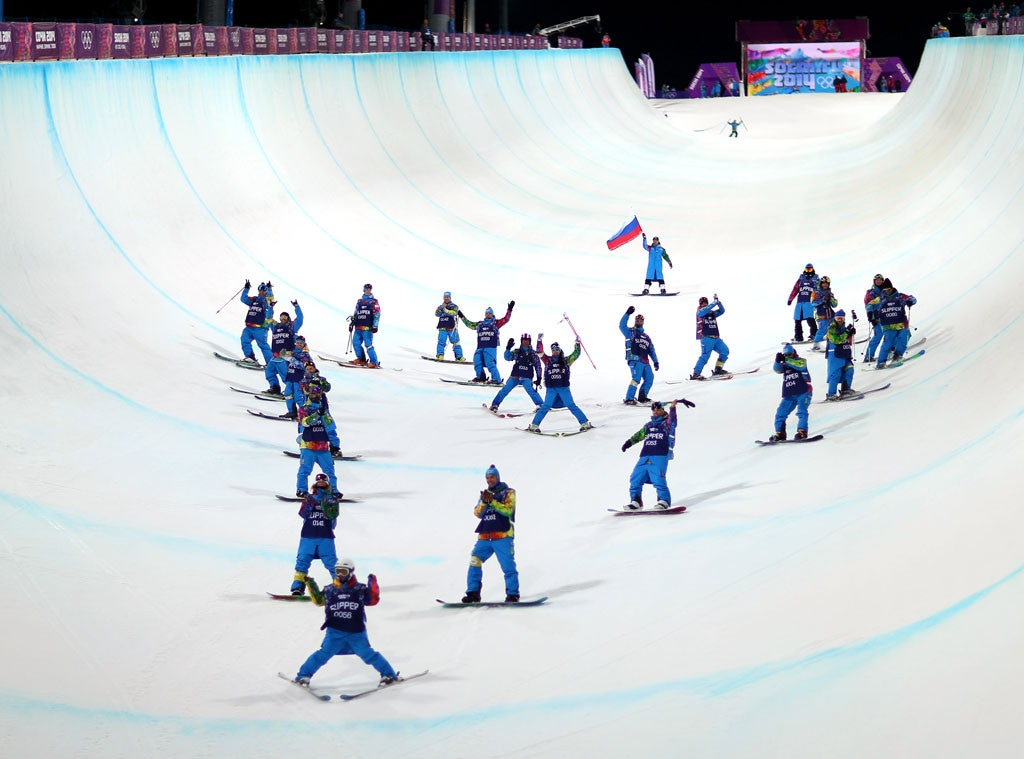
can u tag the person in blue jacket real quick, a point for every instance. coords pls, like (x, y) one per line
(363, 326)
(525, 367)
(639, 345)
(710, 339)
(824, 302)
(319, 512)
(448, 327)
(659, 438)
(805, 286)
(556, 382)
(345, 601)
(318, 442)
(282, 343)
(839, 356)
(871, 300)
(655, 254)
(796, 392)
(895, 321)
(495, 536)
(487, 336)
(257, 320)
(294, 375)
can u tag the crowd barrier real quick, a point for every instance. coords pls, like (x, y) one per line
(994, 26)
(50, 41)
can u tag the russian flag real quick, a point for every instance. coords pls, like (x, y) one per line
(629, 232)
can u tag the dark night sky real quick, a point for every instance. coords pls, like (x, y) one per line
(677, 37)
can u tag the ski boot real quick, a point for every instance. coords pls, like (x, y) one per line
(389, 680)
(471, 597)
(780, 435)
(696, 376)
(275, 390)
(801, 435)
(586, 426)
(719, 372)
(642, 398)
(661, 504)
(440, 357)
(532, 428)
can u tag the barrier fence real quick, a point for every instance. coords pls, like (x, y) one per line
(50, 41)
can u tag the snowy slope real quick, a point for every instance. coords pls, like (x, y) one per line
(860, 596)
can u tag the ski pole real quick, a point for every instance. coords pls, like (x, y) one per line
(348, 345)
(565, 318)
(230, 299)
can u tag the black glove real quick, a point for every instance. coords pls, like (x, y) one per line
(295, 303)
(269, 286)
(511, 305)
(459, 314)
(510, 343)
(335, 450)
(630, 310)
(536, 384)
(374, 330)
(657, 366)
(779, 358)
(247, 284)
(351, 327)
(852, 331)
(688, 404)
(626, 445)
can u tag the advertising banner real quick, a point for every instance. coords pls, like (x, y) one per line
(803, 68)
(261, 39)
(6, 42)
(358, 41)
(121, 43)
(43, 41)
(372, 42)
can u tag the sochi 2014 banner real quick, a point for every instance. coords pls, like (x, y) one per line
(786, 69)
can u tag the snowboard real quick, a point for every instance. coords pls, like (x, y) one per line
(856, 395)
(377, 689)
(258, 394)
(296, 499)
(470, 383)
(350, 365)
(873, 368)
(288, 597)
(658, 295)
(464, 362)
(631, 512)
(458, 605)
(314, 693)
(728, 375)
(554, 434)
(812, 439)
(237, 362)
(295, 455)
(271, 416)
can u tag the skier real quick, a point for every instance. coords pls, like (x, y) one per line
(525, 366)
(319, 512)
(659, 438)
(318, 442)
(487, 335)
(806, 284)
(627, 332)
(282, 343)
(654, 272)
(556, 380)
(345, 601)
(296, 372)
(496, 510)
(734, 125)
(871, 300)
(363, 326)
(639, 344)
(710, 340)
(448, 328)
(257, 320)
(312, 378)
(892, 314)
(824, 301)
(796, 392)
(839, 356)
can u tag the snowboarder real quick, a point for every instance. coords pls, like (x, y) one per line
(638, 343)
(448, 327)
(319, 512)
(282, 343)
(824, 301)
(525, 366)
(345, 601)
(796, 392)
(495, 535)
(318, 442)
(871, 300)
(487, 335)
(659, 438)
(556, 380)
(893, 316)
(806, 284)
(735, 125)
(655, 253)
(363, 327)
(257, 321)
(710, 340)
(839, 356)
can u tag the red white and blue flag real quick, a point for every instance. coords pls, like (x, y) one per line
(629, 232)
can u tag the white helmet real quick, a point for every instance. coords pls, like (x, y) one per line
(344, 569)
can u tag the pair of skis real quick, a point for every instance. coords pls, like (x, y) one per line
(321, 696)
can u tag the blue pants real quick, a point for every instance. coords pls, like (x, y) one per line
(505, 550)
(707, 346)
(799, 402)
(363, 338)
(338, 643)
(307, 457)
(895, 340)
(525, 382)
(293, 395)
(276, 371)
(839, 370)
(311, 549)
(650, 470)
(819, 335)
(256, 335)
(643, 375)
(874, 342)
(443, 336)
(487, 358)
(551, 397)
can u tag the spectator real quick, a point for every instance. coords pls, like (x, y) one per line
(426, 36)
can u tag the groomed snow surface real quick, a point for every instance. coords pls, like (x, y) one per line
(861, 596)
